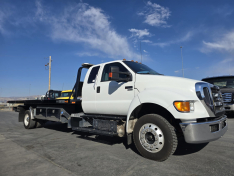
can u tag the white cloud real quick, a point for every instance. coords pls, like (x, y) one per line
(89, 54)
(223, 43)
(139, 33)
(85, 24)
(146, 41)
(77, 23)
(185, 38)
(145, 51)
(155, 15)
(224, 67)
(227, 60)
(5, 12)
(224, 11)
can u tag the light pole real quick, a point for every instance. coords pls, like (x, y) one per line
(141, 51)
(29, 89)
(182, 62)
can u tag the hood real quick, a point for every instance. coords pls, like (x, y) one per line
(227, 90)
(167, 83)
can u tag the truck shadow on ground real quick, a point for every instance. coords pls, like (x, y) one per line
(57, 126)
(230, 116)
(183, 148)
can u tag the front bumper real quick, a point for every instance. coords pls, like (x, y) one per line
(202, 132)
(229, 107)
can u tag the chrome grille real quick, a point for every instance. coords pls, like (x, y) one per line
(218, 100)
(227, 97)
(211, 96)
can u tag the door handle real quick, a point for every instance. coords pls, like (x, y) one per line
(128, 87)
(98, 89)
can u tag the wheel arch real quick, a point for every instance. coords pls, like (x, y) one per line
(149, 108)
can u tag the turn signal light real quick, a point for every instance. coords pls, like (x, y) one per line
(182, 106)
(66, 101)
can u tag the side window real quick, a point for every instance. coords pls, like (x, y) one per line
(106, 70)
(93, 74)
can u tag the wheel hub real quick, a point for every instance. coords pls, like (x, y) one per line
(26, 119)
(151, 137)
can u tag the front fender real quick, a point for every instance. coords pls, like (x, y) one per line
(165, 98)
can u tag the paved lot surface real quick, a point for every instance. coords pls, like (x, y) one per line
(57, 151)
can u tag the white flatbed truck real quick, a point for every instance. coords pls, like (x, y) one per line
(128, 99)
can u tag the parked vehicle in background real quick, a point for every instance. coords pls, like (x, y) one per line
(51, 95)
(129, 99)
(226, 85)
(65, 94)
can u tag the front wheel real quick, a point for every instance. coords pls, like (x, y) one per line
(154, 137)
(28, 121)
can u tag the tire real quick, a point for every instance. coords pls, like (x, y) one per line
(40, 123)
(154, 137)
(28, 122)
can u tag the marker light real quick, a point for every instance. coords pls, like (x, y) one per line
(110, 75)
(184, 106)
(124, 59)
(132, 60)
(136, 62)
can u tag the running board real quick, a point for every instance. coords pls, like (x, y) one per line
(95, 131)
(107, 117)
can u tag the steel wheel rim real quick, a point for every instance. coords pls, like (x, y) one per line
(26, 120)
(151, 138)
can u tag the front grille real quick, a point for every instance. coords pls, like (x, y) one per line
(227, 97)
(211, 97)
(218, 100)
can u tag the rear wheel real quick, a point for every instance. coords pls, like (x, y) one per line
(154, 137)
(29, 123)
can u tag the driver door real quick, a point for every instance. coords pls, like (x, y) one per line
(112, 97)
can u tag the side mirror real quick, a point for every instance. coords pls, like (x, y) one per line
(114, 73)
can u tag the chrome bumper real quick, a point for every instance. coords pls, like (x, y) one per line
(201, 132)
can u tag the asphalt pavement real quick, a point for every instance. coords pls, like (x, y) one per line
(55, 150)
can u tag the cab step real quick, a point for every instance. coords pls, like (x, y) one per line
(95, 131)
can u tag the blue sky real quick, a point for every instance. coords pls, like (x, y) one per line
(74, 32)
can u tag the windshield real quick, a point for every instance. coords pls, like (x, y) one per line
(140, 68)
(221, 82)
(66, 94)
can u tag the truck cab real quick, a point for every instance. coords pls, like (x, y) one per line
(65, 94)
(226, 85)
(51, 95)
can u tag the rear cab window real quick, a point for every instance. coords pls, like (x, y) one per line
(93, 74)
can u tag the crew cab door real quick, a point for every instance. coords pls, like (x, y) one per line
(112, 97)
(89, 90)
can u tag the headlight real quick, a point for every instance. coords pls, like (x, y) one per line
(184, 106)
